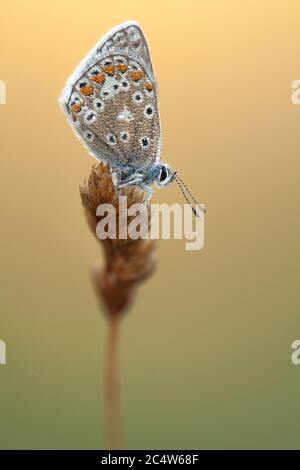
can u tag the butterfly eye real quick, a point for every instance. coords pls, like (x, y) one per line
(111, 139)
(163, 174)
(144, 142)
(90, 117)
(138, 97)
(166, 175)
(148, 111)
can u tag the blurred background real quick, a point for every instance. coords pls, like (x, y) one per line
(206, 347)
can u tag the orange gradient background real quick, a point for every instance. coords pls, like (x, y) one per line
(205, 350)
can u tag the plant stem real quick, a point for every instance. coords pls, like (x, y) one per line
(113, 426)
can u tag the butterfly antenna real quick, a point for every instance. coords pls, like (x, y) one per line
(188, 195)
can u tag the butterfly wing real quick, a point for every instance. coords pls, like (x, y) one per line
(111, 100)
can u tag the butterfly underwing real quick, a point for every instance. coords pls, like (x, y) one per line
(111, 100)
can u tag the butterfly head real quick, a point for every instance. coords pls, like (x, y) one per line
(165, 174)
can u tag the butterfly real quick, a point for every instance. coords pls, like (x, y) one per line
(111, 102)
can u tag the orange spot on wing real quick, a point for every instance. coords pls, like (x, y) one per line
(76, 108)
(86, 90)
(122, 67)
(100, 78)
(136, 75)
(148, 86)
(109, 69)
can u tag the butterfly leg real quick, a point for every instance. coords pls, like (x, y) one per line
(127, 180)
(148, 190)
(121, 180)
(115, 176)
